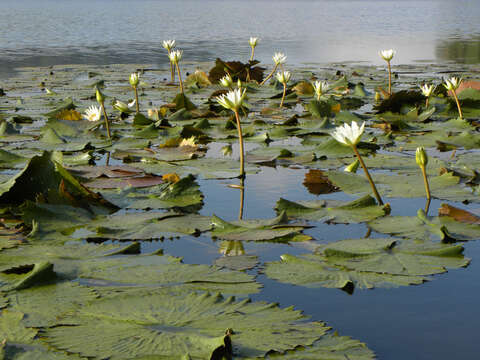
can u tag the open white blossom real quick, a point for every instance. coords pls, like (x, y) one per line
(349, 135)
(279, 58)
(387, 55)
(233, 100)
(253, 41)
(175, 56)
(320, 87)
(93, 113)
(283, 76)
(169, 44)
(453, 83)
(427, 90)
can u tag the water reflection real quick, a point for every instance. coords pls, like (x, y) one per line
(465, 51)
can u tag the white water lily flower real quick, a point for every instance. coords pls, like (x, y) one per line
(134, 79)
(427, 90)
(233, 100)
(283, 76)
(387, 55)
(349, 135)
(453, 83)
(169, 44)
(175, 56)
(320, 87)
(279, 58)
(93, 113)
(188, 142)
(226, 81)
(253, 41)
(132, 103)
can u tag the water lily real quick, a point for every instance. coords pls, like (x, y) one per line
(351, 135)
(101, 100)
(93, 113)
(190, 142)
(422, 161)
(253, 43)
(226, 81)
(234, 100)
(175, 56)
(387, 55)
(134, 80)
(427, 91)
(284, 78)
(320, 87)
(452, 85)
(279, 59)
(169, 45)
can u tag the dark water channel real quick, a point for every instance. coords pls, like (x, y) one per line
(437, 320)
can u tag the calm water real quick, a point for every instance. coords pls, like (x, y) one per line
(438, 320)
(43, 32)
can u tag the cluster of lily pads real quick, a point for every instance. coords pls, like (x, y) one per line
(80, 197)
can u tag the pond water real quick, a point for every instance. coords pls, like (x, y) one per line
(437, 320)
(125, 31)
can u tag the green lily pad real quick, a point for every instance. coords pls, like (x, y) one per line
(360, 210)
(170, 325)
(368, 263)
(277, 229)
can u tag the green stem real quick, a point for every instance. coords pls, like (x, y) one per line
(107, 126)
(372, 184)
(179, 77)
(425, 181)
(137, 105)
(253, 53)
(269, 75)
(172, 70)
(426, 103)
(389, 78)
(242, 198)
(283, 95)
(458, 104)
(240, 141)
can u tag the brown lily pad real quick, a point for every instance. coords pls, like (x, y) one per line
(459, 215)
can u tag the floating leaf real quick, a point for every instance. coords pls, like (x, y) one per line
(172, 325)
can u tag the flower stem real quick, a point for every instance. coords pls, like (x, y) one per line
(425, 181)
(372, 184)
(240, 141)
(242, 198)
(137, 105)
(107, 126)
(458, 104)
(389, 78)
(269, 75)
(253, 53)
(179, 77)
(283, 95)
(426, 103)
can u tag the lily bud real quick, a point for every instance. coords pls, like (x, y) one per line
(100, 97)
(421, 157)
(352, 168)
(134, 79)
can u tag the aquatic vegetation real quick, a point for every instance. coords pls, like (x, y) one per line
(101, 100)
(88, 224)
(253, 44)
(175, 57)
(387, 55)
(452, 85)
(279, 59)
(351, 136)
(169, 45)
